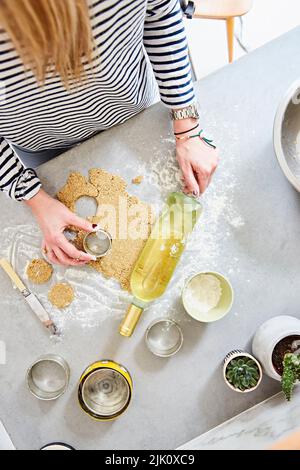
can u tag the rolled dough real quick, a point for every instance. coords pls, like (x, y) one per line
(125, 217)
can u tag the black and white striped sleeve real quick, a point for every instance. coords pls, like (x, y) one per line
(18, 182)
(166, 45)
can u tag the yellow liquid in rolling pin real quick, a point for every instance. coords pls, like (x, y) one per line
(160, 256)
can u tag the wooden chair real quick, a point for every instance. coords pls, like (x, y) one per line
(223, 10)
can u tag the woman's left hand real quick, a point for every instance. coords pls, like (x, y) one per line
(197, 160)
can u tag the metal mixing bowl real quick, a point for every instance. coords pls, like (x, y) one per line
(286, 135)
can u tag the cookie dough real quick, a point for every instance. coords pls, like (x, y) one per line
(138, 179)
(61, 295)
(39, 271)
(76, 186)
(108, 185)
(125, 217)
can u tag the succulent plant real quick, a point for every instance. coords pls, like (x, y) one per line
(242, 373)
(291, 373)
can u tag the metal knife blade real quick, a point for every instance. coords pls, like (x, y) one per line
(39, 310)
(30, 298)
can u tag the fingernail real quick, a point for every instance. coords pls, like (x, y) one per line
(94, 258)
(195, 193)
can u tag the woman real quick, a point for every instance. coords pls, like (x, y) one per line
(71, 68)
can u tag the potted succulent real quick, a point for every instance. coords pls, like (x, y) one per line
(241, 371)
(276, 344)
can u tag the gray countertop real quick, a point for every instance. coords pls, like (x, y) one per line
(250, 231)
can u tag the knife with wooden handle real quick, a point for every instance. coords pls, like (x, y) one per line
(30, 298)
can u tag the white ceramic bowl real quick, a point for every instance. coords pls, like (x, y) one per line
(223, 307)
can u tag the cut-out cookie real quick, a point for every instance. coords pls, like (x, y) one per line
(61, 295)
(39, 271)
(76, 186)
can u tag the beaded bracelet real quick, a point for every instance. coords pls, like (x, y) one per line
(204, 139)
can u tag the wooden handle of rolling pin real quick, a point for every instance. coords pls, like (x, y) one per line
(12, 274)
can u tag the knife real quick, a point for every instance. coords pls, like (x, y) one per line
(30, 298)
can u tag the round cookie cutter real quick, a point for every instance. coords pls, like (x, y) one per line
(48, 377)
(97, 243)
(164, 337)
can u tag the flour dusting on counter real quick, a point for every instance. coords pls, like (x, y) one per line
(220, 219)
(98, 298)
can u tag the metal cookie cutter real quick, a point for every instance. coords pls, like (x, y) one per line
(48, 377)
(97, 243)
(164, 337)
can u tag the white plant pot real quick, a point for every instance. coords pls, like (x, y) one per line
(239, 353)
(268, 335)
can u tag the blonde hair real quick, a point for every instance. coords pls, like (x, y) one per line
(50, 35)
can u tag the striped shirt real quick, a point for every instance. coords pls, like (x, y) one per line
(133, 39)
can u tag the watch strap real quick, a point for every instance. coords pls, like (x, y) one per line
(190, 111)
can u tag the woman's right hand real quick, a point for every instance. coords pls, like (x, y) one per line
(53, 218)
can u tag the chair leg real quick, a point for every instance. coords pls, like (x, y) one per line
(230, 37)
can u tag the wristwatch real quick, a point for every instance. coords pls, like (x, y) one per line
(190, 111)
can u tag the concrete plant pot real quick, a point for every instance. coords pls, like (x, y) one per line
(268, 336)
